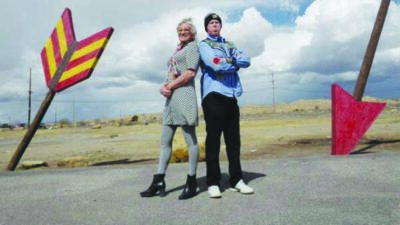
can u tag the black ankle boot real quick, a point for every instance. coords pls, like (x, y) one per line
(157, 187)
(190, 189)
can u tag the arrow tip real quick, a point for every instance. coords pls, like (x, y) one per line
(350, 120)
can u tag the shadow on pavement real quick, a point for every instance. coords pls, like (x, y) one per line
(120, 162)
(201, 182)
(372, 144)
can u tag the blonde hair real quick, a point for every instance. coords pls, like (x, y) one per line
(190, 23)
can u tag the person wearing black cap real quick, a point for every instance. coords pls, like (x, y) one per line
(220, 87)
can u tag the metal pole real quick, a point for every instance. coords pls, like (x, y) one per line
(273, 92)
(371, 49)
(55, 116)
(29, 100)
(73, 113)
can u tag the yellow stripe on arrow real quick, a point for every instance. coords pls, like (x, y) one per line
(61, 38)
(89, 48)
(78, 69)
(50, 57)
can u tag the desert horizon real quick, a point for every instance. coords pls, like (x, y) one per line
(295, 129)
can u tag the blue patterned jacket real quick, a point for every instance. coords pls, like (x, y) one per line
(220, 62)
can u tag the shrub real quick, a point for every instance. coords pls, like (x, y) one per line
(182, 154)
(72, 162)
(64, 123)
(202, 152)
(179, 155)
(135, 118)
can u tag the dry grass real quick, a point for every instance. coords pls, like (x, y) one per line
(264, 134)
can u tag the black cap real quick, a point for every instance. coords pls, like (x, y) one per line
(209, 17)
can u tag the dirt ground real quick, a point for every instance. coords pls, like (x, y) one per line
(265, 134)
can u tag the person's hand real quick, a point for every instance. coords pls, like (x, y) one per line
(165, 91)
(231, 60)
(176, 75)
(170, 86)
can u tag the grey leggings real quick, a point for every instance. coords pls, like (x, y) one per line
(167, 136)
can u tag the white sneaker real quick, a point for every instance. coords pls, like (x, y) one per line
(214, 192)
(242, 188)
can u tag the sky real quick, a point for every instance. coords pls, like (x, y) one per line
(298, 49)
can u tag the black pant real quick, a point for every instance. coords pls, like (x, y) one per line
(222, 114)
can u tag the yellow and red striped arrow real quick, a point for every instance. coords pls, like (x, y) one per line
(66, 61)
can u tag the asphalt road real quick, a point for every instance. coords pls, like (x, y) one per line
(355, 189)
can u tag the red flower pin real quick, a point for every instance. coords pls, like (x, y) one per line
(216, 60)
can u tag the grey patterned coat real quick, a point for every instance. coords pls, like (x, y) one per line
(181, 108)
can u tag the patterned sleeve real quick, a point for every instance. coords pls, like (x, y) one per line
(215, 59)
(192, 56)
(242, 60)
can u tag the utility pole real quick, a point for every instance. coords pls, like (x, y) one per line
(73, 113)
(29, 98)
(55, 116)
(273, 92)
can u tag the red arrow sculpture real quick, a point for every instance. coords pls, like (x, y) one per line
(351, 118)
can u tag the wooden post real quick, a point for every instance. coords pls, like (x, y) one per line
(31, 131)
(371, 49)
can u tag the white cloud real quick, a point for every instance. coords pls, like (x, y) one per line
(289, 5)
(339, 21)
(324, 45)
(250, 31)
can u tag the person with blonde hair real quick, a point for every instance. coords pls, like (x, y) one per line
(180, 110)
